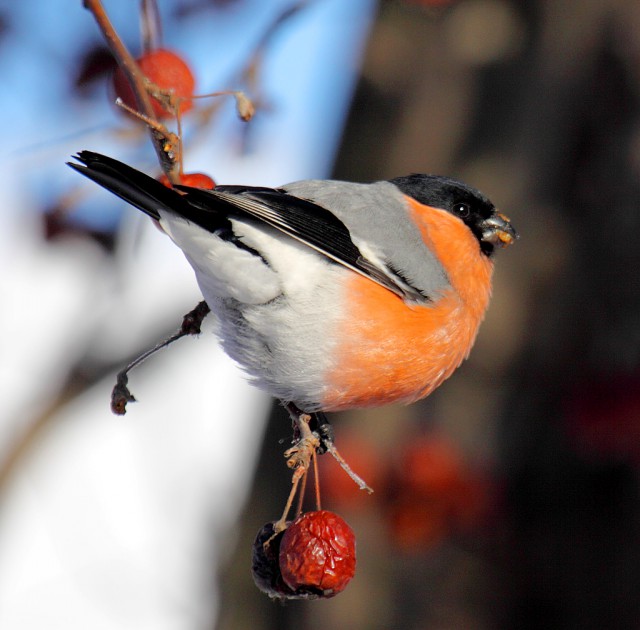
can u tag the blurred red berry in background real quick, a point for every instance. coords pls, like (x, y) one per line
(364, 458)
(169, 72)
(197, 180)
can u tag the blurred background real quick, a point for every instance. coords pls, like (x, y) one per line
(508, 499)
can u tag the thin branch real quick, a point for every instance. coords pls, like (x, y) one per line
(316, 478)
(138, 83)
(150, 25)
(191, 323)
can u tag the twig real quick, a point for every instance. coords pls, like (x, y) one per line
(191, 325)
(244, 106)
(171, 144)
(322, 430)
(138, 83)
(298, 458)
(281, 524)
(301, 495)
(360, 482)
(150, 25)
(316, 479)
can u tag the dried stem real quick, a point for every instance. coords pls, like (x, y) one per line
(359, 481)
(138, 83)
(324, 439)
(299, 458)
(244, 106)
(316, 479)
(191, 324)
(172, 143)
(303, 490)
(281, 523)
(150, 25)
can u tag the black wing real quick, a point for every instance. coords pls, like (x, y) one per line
(307, 222)
(301, 219)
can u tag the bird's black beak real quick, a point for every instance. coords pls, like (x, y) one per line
(498, 231)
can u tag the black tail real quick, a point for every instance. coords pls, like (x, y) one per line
(136, 188)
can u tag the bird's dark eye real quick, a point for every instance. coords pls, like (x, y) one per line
(462, 210)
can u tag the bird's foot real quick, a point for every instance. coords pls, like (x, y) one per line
(317, 425)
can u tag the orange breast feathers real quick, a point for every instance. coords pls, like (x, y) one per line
(390, 351)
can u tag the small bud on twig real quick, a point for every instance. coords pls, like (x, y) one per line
(244, 106)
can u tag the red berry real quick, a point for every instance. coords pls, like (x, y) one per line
(437, 493)
(416, 523)
(169, 72)
(318, 554)
(432, 465)
(265, 566)
(197, 180)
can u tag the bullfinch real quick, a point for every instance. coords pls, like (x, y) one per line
(332, 295)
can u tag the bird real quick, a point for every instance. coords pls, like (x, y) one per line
(332, 295)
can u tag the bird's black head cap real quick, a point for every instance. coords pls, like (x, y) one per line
(464, 202)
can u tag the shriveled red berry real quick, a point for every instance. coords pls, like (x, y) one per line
(197, 180)
(169, 72)
(318, 554)
(265, 566)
